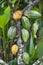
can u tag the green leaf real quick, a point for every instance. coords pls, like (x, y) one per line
(13, 1)
(0, 64)
(40, 47)
(13, 62)
(10, 63)
(41, 23)
(4, 19)
(26, 1)
(1, 11)
(36, 9)
(41, 32)
(40, 7)
(31, 48)
(1, 32)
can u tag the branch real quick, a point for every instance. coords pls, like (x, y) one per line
(30, 5)
(38, 61)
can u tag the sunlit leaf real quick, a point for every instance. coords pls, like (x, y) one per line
(5, 17)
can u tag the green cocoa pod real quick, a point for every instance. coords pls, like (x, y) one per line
(32, 14)
(11, 32)
(25, 35)
(26, 58)
(25, 22)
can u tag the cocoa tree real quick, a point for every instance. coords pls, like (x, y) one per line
(20, 31)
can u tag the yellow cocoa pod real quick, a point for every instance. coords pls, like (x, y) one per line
(17, 15)
(14, 49)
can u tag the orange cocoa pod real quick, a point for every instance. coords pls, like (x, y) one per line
(14, 49)
(17, 15)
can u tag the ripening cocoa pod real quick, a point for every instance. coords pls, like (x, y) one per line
(17, 15)
(14, 49)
